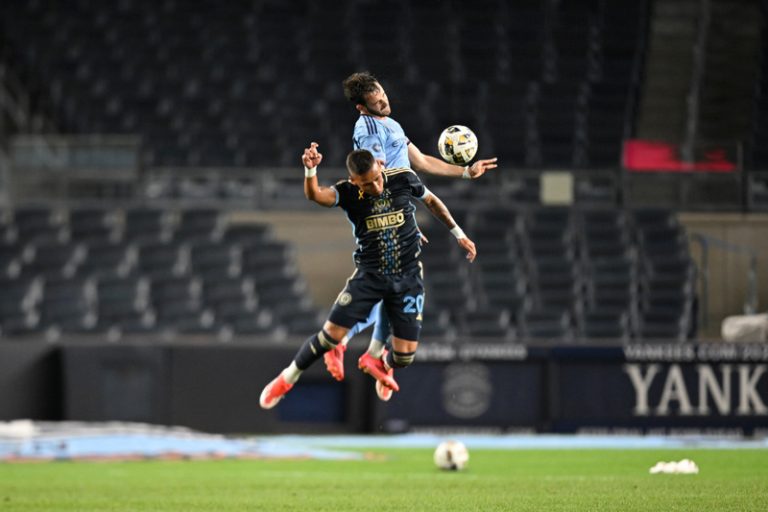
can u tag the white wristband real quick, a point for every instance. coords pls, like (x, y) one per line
(465, 174)
(457, 232)
(308, 173)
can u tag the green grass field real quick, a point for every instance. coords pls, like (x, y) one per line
(398, 480)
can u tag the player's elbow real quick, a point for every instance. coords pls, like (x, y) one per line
(317, 198)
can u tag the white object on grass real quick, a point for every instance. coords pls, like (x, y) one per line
(682, 467)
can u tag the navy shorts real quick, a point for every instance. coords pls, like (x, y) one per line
(402, 298)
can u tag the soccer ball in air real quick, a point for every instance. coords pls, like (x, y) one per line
(451, 455)
(457, 144)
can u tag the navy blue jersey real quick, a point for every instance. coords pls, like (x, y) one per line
(388, 240)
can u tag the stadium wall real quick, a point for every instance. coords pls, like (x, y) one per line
(648, 388)
(30, 381)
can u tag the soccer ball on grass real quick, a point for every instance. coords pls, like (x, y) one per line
(457, 145)
(451, 456)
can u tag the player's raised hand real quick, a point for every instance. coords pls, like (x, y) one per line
(469, 246)
(311, 157)
(478, 168)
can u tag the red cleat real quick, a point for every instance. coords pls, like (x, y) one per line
(375, 368)
(334, 361)
(274, 392)
(383, 392)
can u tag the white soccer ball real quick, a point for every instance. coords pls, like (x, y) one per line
(451, 456)
(457, 144)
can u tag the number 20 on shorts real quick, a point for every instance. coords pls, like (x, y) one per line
(413, 304)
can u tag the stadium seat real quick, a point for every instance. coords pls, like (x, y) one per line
(489, 323)
(68, 305)
(123, 303)
(265, 257)
(19, 302)
(91, 224)
(52, 258)
(550, 325)
(159, 258)
(106, 258)
(252, 324)
(246, 234)
(198, 224)
(144, 223)
(34, 224)
(214, 257)
(437, 324)
(11, 259)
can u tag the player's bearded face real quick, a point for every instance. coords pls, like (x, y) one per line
(377, 103)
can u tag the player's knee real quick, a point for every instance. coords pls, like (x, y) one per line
(323, 342)
(397, 359)
(334, 331)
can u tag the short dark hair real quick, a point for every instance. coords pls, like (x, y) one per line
(359, 161)
(357, 85)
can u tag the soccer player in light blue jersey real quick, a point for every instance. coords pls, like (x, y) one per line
(377, 132)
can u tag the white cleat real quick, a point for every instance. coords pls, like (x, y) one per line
(383, 392)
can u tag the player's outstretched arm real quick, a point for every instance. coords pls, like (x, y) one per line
(325, 196)
(431, 165)
(439, 210)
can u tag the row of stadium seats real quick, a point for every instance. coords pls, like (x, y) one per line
(542, 273)
(249, 83)
(147, 270)
(555, 274)
(34, 223)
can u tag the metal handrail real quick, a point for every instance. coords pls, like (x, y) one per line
(706, 241)
(699, 68)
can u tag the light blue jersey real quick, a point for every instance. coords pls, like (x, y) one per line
(384, 138)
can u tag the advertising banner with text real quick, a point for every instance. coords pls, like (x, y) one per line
(673, 388)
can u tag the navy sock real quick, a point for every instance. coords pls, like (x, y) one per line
(313, 349)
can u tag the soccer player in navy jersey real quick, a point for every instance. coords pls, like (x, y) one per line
(379, 204)
(377, 132)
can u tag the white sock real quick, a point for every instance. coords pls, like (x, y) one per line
(292, 373)
(376, 348)
(344, 341)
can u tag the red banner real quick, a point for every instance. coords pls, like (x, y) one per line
(653, 156)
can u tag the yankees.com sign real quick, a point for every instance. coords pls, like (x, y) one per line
(708, 389)
(573, 388)
(698, 380)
